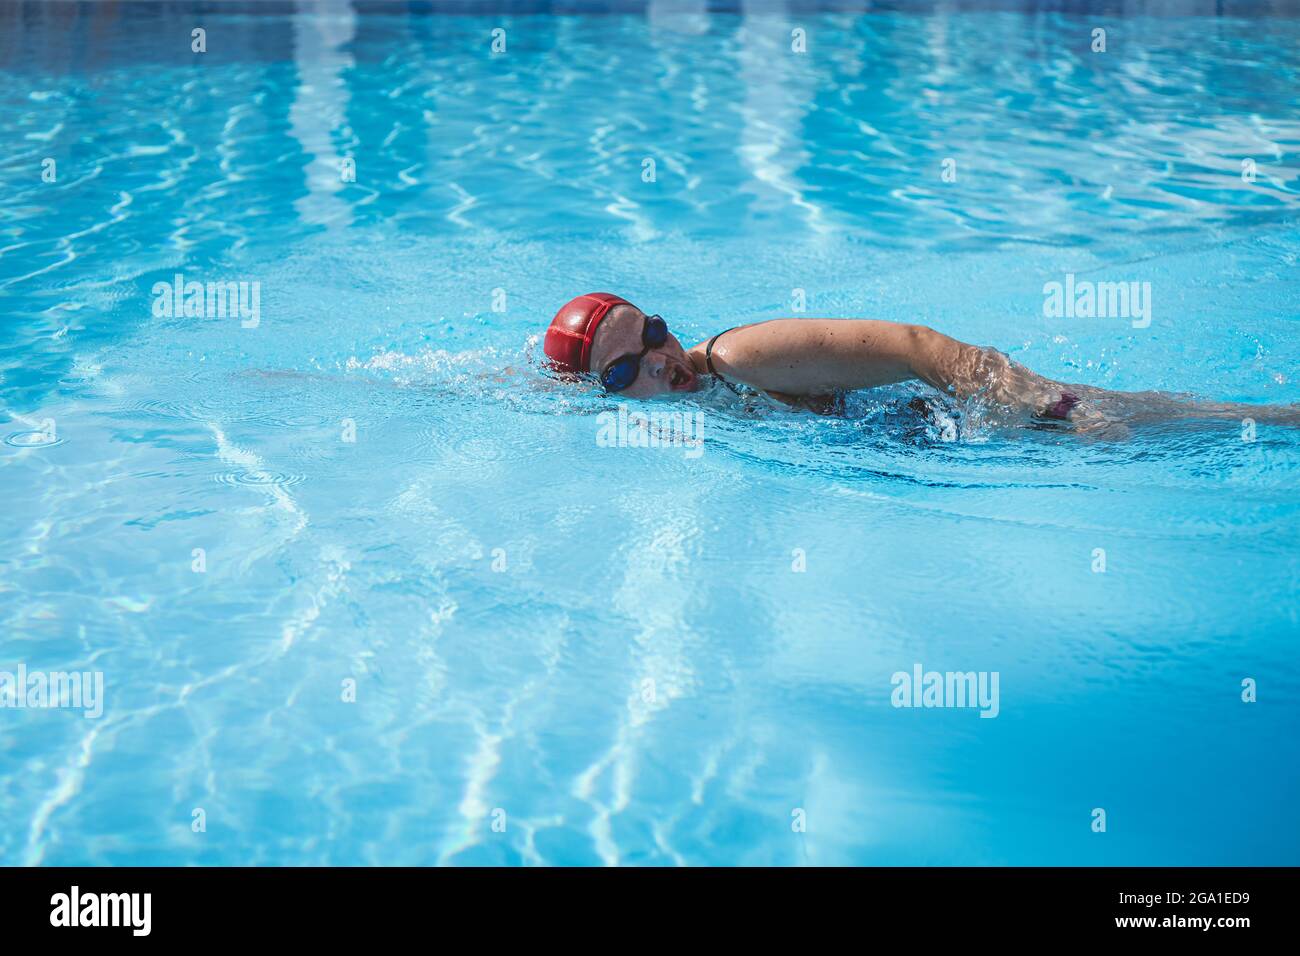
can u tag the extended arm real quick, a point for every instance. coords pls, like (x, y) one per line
(813, 357)
(802, 361)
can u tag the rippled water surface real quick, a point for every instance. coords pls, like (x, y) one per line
(638, 655)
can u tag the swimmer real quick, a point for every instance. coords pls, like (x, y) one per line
(810, 364)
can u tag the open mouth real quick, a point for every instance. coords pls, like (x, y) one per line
(680, 380)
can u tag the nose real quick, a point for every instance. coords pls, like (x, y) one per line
(654, 364)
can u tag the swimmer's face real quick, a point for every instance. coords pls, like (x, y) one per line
(663, 369)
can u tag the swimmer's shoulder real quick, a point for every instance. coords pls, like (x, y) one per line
(709, 358)
(700, 353)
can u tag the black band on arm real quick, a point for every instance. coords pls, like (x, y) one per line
(708, 361)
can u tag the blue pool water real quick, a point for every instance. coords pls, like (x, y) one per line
(570, 653)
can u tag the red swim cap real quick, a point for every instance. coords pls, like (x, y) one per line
(568, 340)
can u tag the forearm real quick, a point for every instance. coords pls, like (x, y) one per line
(952, 367)
(966, 371)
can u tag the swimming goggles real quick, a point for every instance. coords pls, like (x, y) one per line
(622, 372)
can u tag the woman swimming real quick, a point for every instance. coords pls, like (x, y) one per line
(810, 363)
